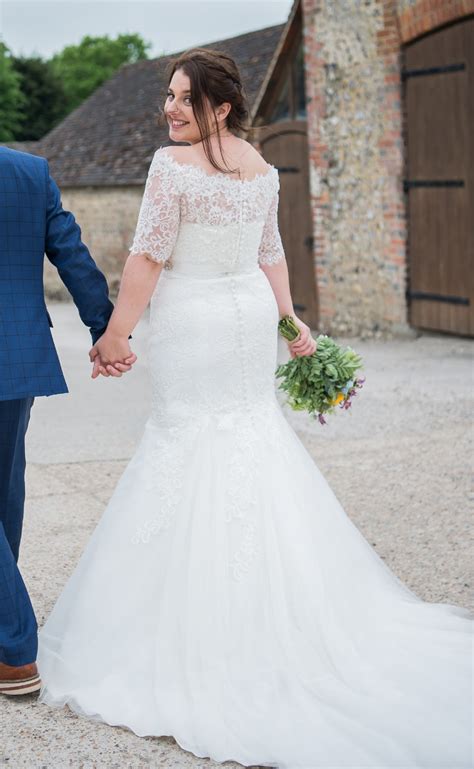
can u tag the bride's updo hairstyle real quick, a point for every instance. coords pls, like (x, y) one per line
(213, 76)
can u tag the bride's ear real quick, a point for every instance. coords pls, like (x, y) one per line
(223, 110)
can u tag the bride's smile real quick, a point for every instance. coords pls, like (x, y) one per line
(179, 112)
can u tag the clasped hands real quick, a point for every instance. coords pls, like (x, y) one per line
(111, 356)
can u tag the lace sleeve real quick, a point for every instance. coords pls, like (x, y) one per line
(158, 220)
(271, 248)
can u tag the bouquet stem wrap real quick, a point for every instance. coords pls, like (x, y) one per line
(319, 382)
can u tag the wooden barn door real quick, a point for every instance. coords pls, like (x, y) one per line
(285, 145)
(439, 91)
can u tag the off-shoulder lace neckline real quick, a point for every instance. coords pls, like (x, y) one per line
(219, 175)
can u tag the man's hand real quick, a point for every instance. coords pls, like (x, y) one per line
(111, 356)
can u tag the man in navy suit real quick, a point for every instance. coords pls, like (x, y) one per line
(32, 223)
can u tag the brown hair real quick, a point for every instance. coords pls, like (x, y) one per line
(213, 76)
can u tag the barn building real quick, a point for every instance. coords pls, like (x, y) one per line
(366, 108)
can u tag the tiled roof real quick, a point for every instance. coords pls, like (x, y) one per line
(110, 139)
(30, 146)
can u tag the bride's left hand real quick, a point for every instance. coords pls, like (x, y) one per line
(305, 344)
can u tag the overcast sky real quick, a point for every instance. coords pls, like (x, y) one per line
(44, 27)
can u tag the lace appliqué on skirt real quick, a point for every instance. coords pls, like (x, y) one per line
(172, 448)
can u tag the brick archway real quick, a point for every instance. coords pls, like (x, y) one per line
(427, 15)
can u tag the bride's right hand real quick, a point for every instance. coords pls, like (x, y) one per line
(305, 344)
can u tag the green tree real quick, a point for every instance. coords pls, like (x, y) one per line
(44, 97)
(11, 97)
(83, 68)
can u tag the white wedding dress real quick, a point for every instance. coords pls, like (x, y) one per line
(225, 598)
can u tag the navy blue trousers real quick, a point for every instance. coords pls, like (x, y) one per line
(18, 628)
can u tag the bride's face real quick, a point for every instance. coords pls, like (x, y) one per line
(179, 111)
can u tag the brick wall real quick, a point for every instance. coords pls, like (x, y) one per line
(416, 17)
(107, 217)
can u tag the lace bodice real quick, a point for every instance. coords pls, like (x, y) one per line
(206, 224)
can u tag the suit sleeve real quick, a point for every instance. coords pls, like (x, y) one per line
(77, 270)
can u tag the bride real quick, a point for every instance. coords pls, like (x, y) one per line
(225, 598)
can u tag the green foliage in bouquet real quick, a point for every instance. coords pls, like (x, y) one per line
(318, 383)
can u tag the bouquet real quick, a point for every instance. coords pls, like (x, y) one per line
(319, 382)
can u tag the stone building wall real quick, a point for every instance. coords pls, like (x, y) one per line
(107, 217)
(356, 165)
(353, 60)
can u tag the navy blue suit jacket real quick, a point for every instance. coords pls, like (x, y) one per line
(32, 224)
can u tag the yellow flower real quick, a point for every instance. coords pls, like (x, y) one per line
(339, 397)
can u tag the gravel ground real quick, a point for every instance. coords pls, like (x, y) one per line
(399, 463)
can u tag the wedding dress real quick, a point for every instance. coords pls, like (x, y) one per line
(225, 597)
